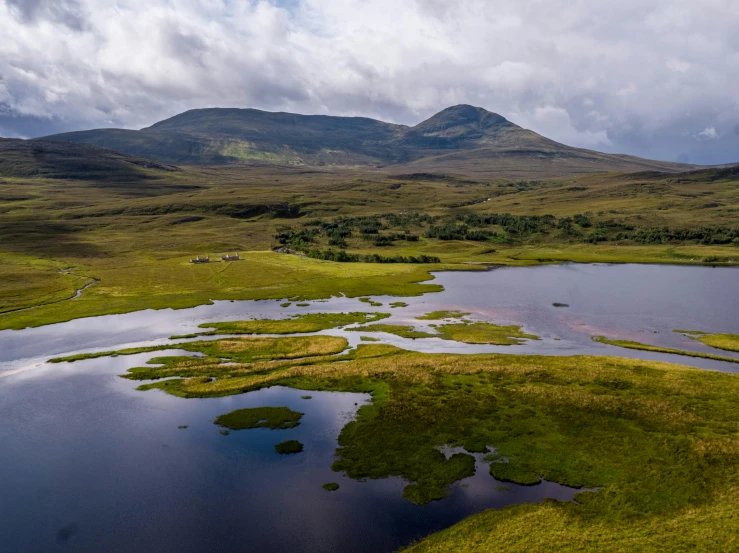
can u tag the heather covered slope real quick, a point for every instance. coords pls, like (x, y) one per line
(460, 139)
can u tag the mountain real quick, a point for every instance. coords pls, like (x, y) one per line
(459, 139)
(41, 158)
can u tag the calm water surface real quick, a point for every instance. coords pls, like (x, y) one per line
(91, 465)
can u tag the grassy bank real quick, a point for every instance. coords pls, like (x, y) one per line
(648, 347)
(729, 342)
(175, 283)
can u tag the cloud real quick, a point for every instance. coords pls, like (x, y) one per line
(636, 76)
(67, 12)
(709, 133)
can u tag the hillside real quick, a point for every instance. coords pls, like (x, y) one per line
(37, 158)
(460, 139)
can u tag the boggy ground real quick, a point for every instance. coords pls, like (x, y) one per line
(659, 441)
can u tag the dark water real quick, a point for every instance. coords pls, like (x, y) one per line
(91, 465)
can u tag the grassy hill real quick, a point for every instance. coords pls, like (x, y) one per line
(37, 158)
(460, 139)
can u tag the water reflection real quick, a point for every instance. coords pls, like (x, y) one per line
(90, 463)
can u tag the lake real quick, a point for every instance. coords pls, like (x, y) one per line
(90, 464)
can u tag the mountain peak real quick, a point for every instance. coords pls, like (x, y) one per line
(457, 126)
(464, 115)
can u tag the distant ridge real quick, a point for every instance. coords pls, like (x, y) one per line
(460, 139)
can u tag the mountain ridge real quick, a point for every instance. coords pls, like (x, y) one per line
(461, 138)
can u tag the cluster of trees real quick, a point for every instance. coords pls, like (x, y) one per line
(511, 224)
(451, 231)
(700, 235)
(508, 229)
(342, 257)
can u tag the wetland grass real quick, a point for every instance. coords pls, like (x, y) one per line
(443, 314)
(330, 486)
(238, 350)
(399, 330)
(310, 322)
(648, 347)
(484, 333)
(274, 418)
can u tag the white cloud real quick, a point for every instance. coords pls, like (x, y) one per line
(709, 133)
(633, 74)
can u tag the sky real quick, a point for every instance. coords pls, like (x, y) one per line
(653, 78)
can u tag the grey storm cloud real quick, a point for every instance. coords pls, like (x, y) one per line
(655, 78)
